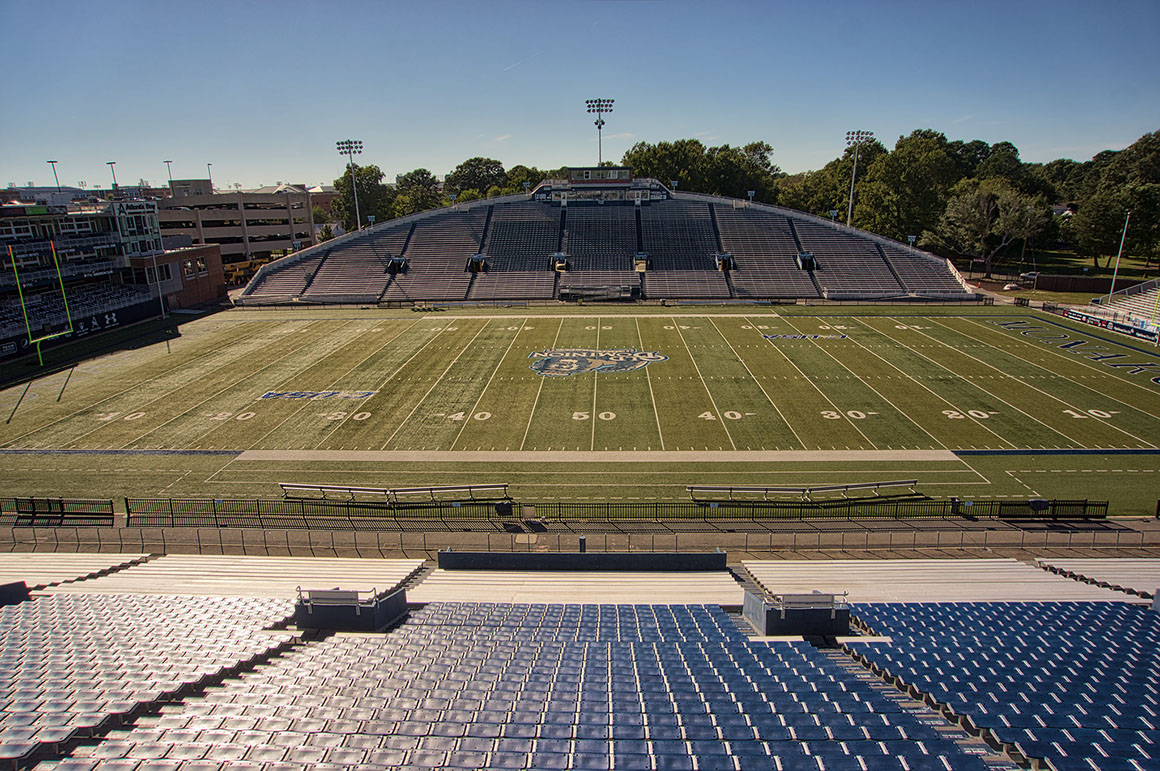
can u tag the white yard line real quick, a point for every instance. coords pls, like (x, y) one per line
(708, 390)
(539, 390)
(924, 386)
(139, 384)
(1066, 357)
(490, 378)
(214, 425)
(805, 377)
(651, 396)
(972, 385)
(759, 385)
(600, 456)
(436, 382)
(1053, 397)
(863, 382)
(595, 381)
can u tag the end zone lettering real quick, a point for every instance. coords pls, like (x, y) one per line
(318, 394)
(804, 337)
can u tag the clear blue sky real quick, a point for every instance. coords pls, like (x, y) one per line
(262, 89)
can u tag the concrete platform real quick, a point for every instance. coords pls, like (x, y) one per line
(1135, 575)
(924, 580)
(717, 587)
(237, 576)
(48, 569)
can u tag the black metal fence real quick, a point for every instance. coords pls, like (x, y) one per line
(299, 513)
(56, 512)
(323, 514)
(1049, 510)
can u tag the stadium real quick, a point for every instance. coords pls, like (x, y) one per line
(603, 476)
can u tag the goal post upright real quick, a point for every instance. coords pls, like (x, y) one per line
(24, 305)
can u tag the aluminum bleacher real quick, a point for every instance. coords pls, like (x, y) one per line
(848, 266)
(498, 686)
(437, 257)
(922, 275)
(1074, 684)
(522, 237)
(764, 250)
(685, 284)
(678, 235)
(359, 272)
(513, 285)
(600, 238)
(289, 281)
(83, 300)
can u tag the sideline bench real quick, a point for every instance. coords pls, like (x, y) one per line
(805, 492)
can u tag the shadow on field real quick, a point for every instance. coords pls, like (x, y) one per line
(60, 357)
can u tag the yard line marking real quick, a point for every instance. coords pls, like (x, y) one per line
(436, 381)
(217, 351)
(1005, 376)
(906, 374)
(816, 388)
(651, 396)
(498, 364)
(539, 390)
(1074, 360)
(703, 383)
(759, 385)
(233, 384)
(872, 388)
(966, 380)
(595, 381)
(601, 456)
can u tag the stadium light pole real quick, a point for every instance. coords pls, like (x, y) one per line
(855, 139)
(350, 148)
(209, 173)
(1116, 272)
(599, 106)
(169, 168)
(54, 176)
(111, 165)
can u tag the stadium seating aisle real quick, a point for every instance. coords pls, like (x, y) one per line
(70, 664)
(1074, 683)
(497, 686)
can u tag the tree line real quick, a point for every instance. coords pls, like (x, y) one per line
(958, 199)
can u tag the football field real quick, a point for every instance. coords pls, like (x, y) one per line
(601, 404)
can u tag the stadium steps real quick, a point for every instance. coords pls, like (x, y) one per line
(41, 571)
(796, 239)
(717, 231)
(486, 227)
(639, 232)
(418, 576)
(563, 229)
(729, 283)
(889, 266)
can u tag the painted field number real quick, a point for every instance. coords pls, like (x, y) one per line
(852, 414)
(1092, 413)
(962, 415)
(107, 416)
(728, 415)
(463, 416)
(581, 415)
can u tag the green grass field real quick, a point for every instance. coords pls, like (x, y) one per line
(381, 398)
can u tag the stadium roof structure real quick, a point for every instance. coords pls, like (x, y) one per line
(606, 240)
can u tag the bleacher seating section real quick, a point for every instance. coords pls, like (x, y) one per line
(84, 300)
(681, 237)
(497, 686)
(1074, 683)
(1142, 305)
(764, 250)
(847, 265)
(522, 237)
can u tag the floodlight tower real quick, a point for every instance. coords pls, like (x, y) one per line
(111, 165)
(855, 139)
(599, 106)
(209, 173)
(169, 168)
(350, 148)
(54, 176)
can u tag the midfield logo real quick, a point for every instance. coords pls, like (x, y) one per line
(563, 362)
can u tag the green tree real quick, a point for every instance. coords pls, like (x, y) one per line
(325, 233)
(906, 190)
(518, 175)
(983, 217)
(724, 170)
(374, 198)
(476, 174)
(1097, 226)
(417, 191)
